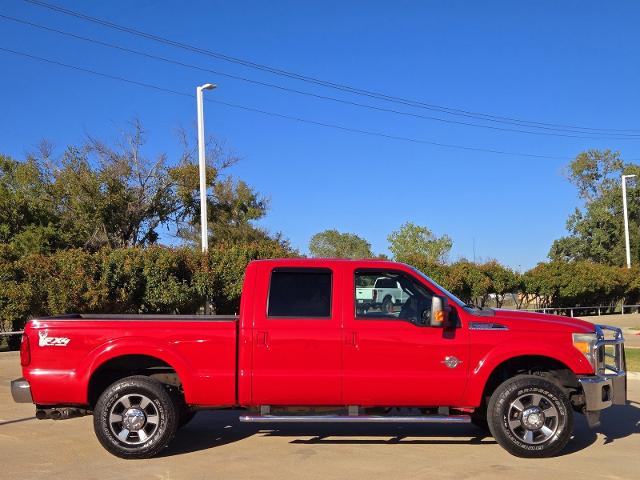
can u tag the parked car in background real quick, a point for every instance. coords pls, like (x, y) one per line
(385, 294)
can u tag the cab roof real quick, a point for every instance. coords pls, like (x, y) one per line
(324, 262)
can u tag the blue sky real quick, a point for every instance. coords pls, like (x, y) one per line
(569, 62)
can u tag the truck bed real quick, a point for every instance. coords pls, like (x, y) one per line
(67, 349)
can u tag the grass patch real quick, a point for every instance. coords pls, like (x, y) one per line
(633, 359)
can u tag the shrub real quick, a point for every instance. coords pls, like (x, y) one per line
(127, 280)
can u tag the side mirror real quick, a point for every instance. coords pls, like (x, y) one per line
(439, 312)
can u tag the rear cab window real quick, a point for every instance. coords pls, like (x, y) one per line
(300, 293)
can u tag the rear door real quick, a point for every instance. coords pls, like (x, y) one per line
(297, 357)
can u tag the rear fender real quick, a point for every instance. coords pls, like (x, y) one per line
(135, 346)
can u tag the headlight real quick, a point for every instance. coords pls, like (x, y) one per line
(585, 343)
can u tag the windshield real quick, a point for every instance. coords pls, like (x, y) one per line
(451, 296)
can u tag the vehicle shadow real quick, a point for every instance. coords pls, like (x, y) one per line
(17, 420)
(616, 422)
(213, 429)
(210, 429)
(620, 421)
(385, 435)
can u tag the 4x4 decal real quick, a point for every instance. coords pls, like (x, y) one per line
(46, 341)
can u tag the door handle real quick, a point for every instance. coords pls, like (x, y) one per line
(262, 338)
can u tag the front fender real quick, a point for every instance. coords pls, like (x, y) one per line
(485, 366)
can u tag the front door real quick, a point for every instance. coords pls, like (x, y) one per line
(392, 357)
(297, 349)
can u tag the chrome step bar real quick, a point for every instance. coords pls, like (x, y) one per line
(355, 419)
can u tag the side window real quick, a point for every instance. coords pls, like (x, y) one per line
(393, 295)
(300, 293)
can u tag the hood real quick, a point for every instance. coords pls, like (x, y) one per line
(524, 320)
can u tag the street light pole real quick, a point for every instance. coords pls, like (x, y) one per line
(626, 218)
(202, 165)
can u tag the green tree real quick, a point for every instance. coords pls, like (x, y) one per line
(411, 241)
(29, 220)
(99, 194)
(232, 205)
(596, 230)
(94, 195)
(581, 283)
(334, 244)
(114, 196)
(468, 280)
(631, 278)
(503, 280)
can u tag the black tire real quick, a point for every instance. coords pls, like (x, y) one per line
(159, 417)
(530, 417)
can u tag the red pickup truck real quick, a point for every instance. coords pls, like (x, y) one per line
(304, 350)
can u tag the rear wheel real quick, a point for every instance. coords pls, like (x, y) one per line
(530, 417)
(135, 418)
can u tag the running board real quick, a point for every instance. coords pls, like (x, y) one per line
(355, 419)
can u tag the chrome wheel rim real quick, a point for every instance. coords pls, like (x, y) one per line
(533, 418)
(134, 419)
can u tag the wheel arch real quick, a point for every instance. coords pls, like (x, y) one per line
(544, 365)
(123, 366)
(121, 359)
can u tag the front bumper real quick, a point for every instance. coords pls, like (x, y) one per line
(602, 391)
(21, 391)
(609, 385)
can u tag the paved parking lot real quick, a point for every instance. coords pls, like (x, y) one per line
(630, 324)
(216, 446)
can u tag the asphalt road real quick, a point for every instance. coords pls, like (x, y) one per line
(216, 446)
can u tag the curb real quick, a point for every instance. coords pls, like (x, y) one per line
(633, 375)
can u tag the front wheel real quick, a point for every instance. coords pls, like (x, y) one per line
(135, 417)
(530, 417)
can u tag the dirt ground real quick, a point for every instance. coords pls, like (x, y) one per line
(216, 446)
